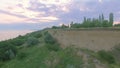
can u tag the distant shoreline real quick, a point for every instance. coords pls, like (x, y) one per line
(9, 34)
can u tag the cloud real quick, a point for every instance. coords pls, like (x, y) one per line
(34, 10)
(100, 1)
(43, 19)
(26, 9)
(5, 18)
(85, 9)
(54, 2)
(53, 12)
(12, 14)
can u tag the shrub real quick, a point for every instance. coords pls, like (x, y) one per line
(116, 52)
(45, 33)
(32, 41)
(38, 35)
(7, 51)
(51, 42)
(69, 59)
(17, 42)
(55, 27)
(21, 55)
(54, 47)
(106, 56)
(1, 64)
(49, 39)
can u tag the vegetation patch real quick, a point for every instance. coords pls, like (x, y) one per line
(7, 51)
(51, 43)
(106, 57)
(116, 52)
(69, 59)
(21, 55)
(49, 39)
(31, 41)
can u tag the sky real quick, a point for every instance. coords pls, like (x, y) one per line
(39, 14)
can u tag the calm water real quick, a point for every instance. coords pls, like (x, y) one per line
(8, 34)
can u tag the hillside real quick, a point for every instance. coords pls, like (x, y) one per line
(61, 48)
(93, 39)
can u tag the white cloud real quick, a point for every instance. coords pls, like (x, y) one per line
(65, 9)
(49, 18)
(32, 14)
(20, 7)
(5, 18)
(84, 9)
(23, 11)
(55, 2)
(100, 1)
(42, 19)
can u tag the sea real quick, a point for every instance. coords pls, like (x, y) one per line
(9, 34)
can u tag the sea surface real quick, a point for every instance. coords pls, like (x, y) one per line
(9, 34)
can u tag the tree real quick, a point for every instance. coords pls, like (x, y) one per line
(85, 20)
(64, 26)
(71, 24)
(105, 23)
(93, 22)
(111, 19)
(102, 18)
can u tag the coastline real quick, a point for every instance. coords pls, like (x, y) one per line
(9, 34)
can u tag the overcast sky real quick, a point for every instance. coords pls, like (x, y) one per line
(37, 14)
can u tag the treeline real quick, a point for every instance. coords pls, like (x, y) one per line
(91, 22)
(117, 25)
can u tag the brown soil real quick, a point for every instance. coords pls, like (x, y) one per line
(93, 39)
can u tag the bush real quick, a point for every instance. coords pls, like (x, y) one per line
(1, 64)
(38, 35)
(17, 42)
(49, 39)
(69, 59)
(7, 51)
(32, 41)
(54, 47)
(116, 52)
(21, 55)
(106, 56)
(45, 32)
(51, 42)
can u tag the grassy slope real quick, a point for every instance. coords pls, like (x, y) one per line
(34, 59)
(39, 56)
(34, 56)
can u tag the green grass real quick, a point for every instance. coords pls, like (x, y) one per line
(41, 57)
(34, 59)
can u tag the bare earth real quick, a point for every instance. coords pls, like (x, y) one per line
(95, 39)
